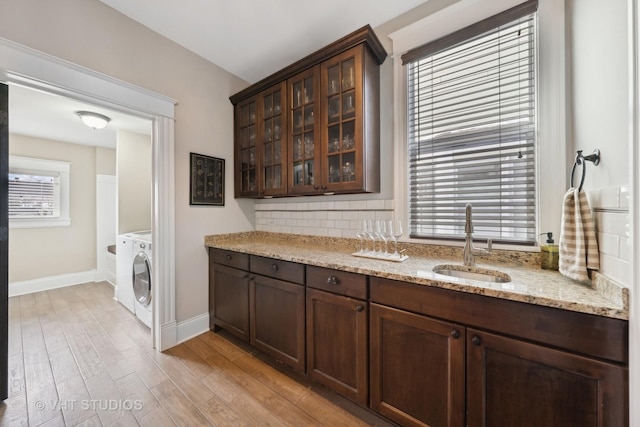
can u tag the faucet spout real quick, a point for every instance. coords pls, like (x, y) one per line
(470, 251)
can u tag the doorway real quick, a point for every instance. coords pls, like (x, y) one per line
(32, 69)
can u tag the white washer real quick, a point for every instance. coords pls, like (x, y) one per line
(124, 258)
(142, 278)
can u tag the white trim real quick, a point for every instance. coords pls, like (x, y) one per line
(163, 228)
(51, 282)
(193, 327)
(28, 67)
(634, 211)
(22, 65)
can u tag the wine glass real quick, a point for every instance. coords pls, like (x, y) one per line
(361, 234)
(395, 230)
(371, 234)
(381, 232)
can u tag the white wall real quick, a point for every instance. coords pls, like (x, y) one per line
(90, 34)
(598, 67)
(36, 253)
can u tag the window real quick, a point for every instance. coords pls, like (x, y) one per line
(38, 193)
(472, 130)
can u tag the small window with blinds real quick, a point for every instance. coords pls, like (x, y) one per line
(38, 193)
(472, 130)
(34, 195)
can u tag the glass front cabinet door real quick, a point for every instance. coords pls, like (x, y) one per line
(246, 156)
(304, 162)
(342, 95)
(274, 140)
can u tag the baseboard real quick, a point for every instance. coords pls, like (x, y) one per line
(167, 336)
(51, 282)
(190, 328)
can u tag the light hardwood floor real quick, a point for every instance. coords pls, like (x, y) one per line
(77, 357)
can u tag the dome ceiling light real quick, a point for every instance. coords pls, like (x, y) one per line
(93, 120)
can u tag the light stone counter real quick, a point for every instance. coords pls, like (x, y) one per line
(529, 283)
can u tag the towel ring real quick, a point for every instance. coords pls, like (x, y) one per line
(594, 158)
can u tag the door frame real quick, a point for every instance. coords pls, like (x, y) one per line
(21, 65)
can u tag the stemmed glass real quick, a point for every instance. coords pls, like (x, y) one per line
(395, 230)
(381, 232)
(362, 234)
(370, 233)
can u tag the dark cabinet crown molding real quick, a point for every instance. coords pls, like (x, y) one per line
(363, 35)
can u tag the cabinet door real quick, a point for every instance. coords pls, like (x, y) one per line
(277, 319)
(273, 134)
(511, 382)
(341, 92)
(417, 368)
(337, 343)
(246, 149)
(304, 112)
(229, 300)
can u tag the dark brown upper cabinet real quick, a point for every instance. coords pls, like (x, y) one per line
(313, 127)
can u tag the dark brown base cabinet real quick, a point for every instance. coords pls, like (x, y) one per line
(337, 343)
(515, 383)
(229, 294)
(417, 368)
(425, 356)
(277, 319)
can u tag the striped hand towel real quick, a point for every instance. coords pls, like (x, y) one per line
(578, 245)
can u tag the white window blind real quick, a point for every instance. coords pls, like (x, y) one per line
(34, 195)
(471, 120)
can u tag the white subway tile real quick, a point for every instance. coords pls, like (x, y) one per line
(320, 231)
(375, 204)
(330, 223)
(321, 215)
(308, 215)
(609, 197)
(309, 230)
(389, 204)
(350, 215)
(624, 197)
(296, 215)
(342, 224)
(609, 244)
(383, 215)
(358, 205)
(625, 249)
(613, 223)
(334, 214)
(342, 206)
(301, 222)
(615, 268)
(291, 222)
(334, 232)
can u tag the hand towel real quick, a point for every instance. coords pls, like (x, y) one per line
(578, 245)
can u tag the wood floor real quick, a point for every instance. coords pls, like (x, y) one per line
(77, 357)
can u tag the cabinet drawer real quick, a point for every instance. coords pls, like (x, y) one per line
(338, 282)
(230, 258)
(278, 269)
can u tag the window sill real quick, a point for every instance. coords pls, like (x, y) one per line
(39, 223)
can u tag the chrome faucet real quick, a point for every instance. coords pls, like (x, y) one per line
(469, 250)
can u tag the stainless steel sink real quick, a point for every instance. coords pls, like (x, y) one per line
(472, 273)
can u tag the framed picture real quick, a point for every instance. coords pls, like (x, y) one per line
(206, 180)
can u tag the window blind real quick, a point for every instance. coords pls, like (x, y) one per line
(34, 196)
(471, 120)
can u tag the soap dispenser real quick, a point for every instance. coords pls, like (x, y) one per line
(549, 253)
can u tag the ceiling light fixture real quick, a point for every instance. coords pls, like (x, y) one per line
(93, 120)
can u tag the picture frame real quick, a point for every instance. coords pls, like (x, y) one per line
(206, 181)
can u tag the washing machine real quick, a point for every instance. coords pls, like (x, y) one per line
(123, 291)
(142, 278)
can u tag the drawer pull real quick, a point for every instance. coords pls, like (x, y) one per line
(455, 334)
(274, 267)
(333, 280)
(476, 340)
(228, 257)
(359, 308)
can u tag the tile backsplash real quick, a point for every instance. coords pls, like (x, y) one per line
(332, 219)
(610, 208)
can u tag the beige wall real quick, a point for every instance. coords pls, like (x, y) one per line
(42, 252)
(105, 161)
(133, 154)
(91, 34)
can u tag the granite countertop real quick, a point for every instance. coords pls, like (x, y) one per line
(529, 283)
